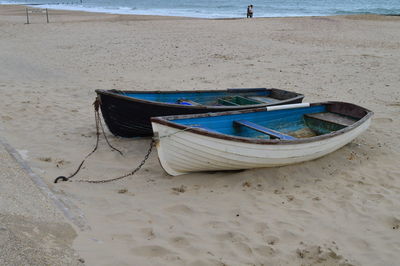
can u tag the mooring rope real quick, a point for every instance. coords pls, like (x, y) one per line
(179, 131)
(99, 126)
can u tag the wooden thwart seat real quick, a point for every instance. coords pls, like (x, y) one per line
(332, 118)
(246, 100)
(226, 102)
(268, 131)
(264, 99)
(238, 100)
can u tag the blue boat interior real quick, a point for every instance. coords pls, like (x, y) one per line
(287, 124)
(217, 98)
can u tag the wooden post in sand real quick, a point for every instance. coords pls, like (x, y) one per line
(27, 16)
(37, 10)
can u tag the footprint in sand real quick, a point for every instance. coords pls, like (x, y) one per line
(272, 240)
(232, 236)
(321, 255)
(396, 104)
(375, 197)
(243, 248)
(6, 118)
(148, 233)
(394, 223)
(383, 120)
(123, 237)
(152, 251)
(216, 225)
(45, 159)
(180, 242)
(181, 209)
(181, 189)
(265, 251)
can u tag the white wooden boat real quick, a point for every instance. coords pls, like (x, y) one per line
(264, 137)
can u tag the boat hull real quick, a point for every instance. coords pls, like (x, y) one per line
(130, 117)
(182, 152)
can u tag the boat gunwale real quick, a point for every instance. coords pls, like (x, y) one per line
(117, 94)
(164, 120)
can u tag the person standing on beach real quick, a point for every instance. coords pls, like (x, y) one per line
(250, 11)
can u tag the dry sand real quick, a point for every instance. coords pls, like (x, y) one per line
(343, 209)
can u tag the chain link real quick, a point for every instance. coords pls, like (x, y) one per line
(125, 175)
(99, 126)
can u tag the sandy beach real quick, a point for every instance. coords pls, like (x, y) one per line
(342, 209)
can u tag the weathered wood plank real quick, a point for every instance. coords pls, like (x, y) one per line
(332, 118)
(264, 130)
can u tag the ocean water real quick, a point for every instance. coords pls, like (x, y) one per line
(223, 8)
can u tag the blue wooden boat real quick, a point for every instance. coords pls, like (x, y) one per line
(262, 137)
(128, 113)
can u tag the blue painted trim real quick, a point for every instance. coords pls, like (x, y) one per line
(204, 98)
(286, 120)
